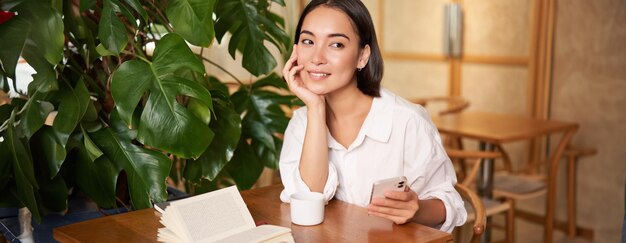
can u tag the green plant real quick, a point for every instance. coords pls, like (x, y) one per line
(120, 111)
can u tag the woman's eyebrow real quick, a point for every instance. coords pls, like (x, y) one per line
(330, 35)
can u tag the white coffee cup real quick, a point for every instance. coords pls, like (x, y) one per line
(307, 208)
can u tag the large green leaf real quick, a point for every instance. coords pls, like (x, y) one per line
(193, 20)
(35, 115)
(123, 131)
(23, 170)
(74, 102)
(245, 167)
(13, 34)
(96, 178)
(111, 30)
(53, 191)
(39, 28)
(138, 8)
(92, 150)
(248, 26)
(264, 117)
(146, 169)
(259, 132)
(221, 150)
(164, 124)
(5, 113)
(5, 167)
(45, 79)
(48, 148)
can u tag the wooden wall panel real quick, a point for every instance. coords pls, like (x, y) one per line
(416, 79)
(589, 87)
(498, 28)
(494, 88)
(413, 26)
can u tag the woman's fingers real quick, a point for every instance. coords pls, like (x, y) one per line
(378, 203)
(401, 196)
(396, 219)
(289, 64)
(400, 207)
(291, 76)
(382, 202)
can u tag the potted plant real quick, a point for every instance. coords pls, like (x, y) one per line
(122, 112)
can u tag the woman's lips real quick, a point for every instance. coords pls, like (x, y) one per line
(318, 75)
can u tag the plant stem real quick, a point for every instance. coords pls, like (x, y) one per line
(223, 69)
(137, 56)
(4, 126)
(161, 16)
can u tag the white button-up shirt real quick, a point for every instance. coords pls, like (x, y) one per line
(397, 138)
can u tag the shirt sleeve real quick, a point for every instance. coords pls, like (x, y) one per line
(430, 171)
(289, 163)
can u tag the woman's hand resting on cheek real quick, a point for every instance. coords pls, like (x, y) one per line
(399, 207)
(291, 74)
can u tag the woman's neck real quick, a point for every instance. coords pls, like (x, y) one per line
(347, 102)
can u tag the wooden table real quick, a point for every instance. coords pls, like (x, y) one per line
(497, 129)
(343, 223)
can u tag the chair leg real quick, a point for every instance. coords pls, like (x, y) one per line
(571, 196)
(510, 222)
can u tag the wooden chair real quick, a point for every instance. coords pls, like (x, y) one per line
(572, 154)
(520, 187)
(478, 209)
(492, 207)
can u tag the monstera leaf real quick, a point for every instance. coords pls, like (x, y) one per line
(146, 169)
(222, 149)
(23, 169)
(36, 33)
(164, 124)
(193, 20)
(111, 30)
(264, 119)
(249, 28)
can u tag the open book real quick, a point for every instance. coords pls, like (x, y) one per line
(218, 216)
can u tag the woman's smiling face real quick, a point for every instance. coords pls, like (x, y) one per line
(329, 50)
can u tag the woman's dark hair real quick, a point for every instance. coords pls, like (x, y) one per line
(368, 78)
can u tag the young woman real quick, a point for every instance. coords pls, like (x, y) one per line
(352, 133)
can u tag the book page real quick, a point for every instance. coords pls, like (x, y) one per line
(212, 216)
(263, 233)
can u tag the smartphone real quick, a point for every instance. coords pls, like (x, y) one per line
(392, 184)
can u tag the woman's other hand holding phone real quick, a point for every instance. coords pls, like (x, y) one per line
(291, 74)
(399, 207)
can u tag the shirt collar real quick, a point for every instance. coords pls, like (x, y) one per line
(378, 123)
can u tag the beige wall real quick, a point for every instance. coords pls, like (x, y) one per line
(589, 87)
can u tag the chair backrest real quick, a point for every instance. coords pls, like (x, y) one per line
(443, 104)
(479, 210)
(474, 158)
